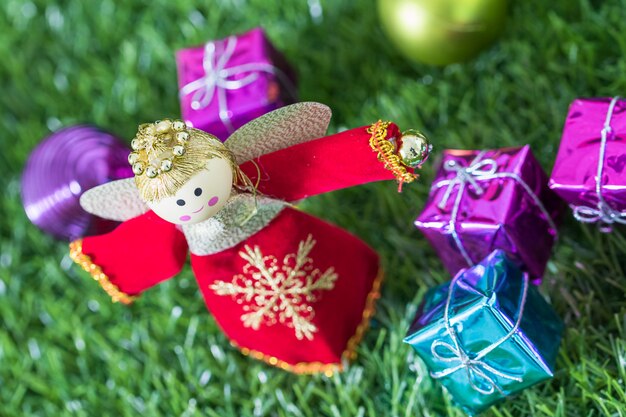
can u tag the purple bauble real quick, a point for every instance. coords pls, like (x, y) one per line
(61, 168)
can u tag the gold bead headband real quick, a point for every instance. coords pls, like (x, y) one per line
(157, 146)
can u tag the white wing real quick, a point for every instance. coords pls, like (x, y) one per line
(117, 200)
(281, 128)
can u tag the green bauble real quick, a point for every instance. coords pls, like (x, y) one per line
(441, 32)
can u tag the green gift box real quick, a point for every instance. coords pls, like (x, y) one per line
(486, 334)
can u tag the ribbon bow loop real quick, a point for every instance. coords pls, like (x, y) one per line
(603, 214)
(480, 375)
(478, 169)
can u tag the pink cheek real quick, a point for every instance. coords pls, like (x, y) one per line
(185, 218)
(213, 201)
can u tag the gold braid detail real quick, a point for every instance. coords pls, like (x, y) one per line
(387, 153)
(77, 255)
(349, 354)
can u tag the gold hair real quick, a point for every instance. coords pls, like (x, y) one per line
(200, 148)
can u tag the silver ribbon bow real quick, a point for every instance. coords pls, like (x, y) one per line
(602, 213)
(476, 367)
(479, 170)
(217, 79)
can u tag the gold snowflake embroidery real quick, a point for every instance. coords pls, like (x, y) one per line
(282, 293)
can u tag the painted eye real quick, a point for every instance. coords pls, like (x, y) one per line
(180, 202)
(198, 192)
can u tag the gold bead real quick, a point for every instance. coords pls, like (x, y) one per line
(182, 137)
(133, 157)
(149, 130)
(135, 144)
(414, 148)
(178, 125)
(163, 126)
(178, 150)
(152, 171)
(166, 165)
(138, 168)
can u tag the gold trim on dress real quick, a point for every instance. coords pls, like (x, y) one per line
(348, 355)
(77, 255)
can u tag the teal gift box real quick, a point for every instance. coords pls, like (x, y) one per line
(486, 334)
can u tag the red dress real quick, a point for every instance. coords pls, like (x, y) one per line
(299, 292)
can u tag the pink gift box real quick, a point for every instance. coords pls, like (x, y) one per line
(505, 204)
(225, 84)
(576, 166)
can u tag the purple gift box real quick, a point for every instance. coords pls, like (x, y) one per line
(225, 84)
(593, 147)
(486, 200)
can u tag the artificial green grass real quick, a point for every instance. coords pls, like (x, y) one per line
(66, 350)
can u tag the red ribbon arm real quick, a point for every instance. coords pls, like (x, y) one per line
(330, 163)
(138, 254)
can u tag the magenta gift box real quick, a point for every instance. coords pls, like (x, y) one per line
(495, 209)
(226, 83)
(575, 169)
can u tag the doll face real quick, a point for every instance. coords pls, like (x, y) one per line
(202, 196)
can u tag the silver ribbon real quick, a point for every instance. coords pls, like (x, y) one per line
(476, 368)
(478, 171)
(602, 213)
(217, 79)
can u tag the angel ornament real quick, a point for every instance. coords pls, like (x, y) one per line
(284, 286)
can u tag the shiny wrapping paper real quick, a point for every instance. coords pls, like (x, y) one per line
(574, 173)
(486, 302)
(504, 216)
(254, 79)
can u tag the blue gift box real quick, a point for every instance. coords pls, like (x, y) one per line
(486, 334)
